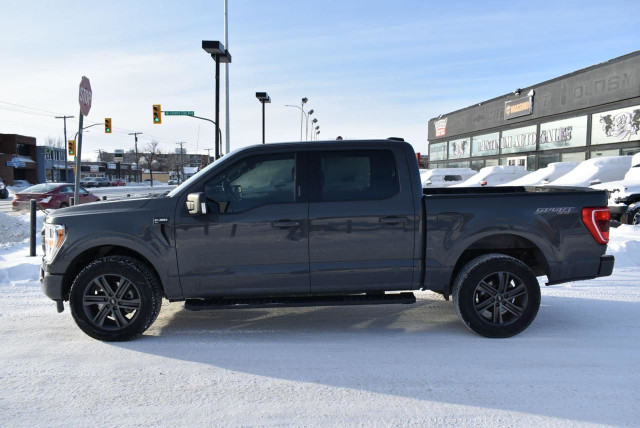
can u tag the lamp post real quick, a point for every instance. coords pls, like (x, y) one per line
(313, 122)
(317, 131)
(221, 56)
(264, 98)
(304, 101)
(306, 131)
(303, 114)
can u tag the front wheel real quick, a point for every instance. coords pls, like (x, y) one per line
(4, 194)
(115, 298)
(496, 295)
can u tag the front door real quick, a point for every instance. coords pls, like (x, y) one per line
(253, 238)
(362, 226)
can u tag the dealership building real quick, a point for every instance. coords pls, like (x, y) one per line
(582, 115)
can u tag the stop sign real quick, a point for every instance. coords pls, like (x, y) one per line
(84, 97)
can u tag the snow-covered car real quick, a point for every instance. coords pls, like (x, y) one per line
(595, 171)
(444, 177)
(624, 195)
(551, 172)
(494, 175)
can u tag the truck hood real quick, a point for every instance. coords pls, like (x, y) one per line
(100, 207)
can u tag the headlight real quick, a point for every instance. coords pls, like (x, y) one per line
(54, 236)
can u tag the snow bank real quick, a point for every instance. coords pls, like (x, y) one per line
(624, 244)
(16, 228)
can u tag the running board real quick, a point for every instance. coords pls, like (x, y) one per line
(286, 301)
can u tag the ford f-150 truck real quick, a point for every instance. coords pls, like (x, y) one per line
(323, 223)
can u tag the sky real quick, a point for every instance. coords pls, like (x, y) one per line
(370, 69)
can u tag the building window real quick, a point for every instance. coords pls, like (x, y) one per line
(573, 157)
(23, 150)
(438, 151)
(545, 160)
(563, 133)
(477, 165)
(603, 153)
(518, 140)
(463, 164)
(459, 148)
(492, 162)
(630, 152)
(616, 126)
(485, 145)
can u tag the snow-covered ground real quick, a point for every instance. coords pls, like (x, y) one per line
(577, 364)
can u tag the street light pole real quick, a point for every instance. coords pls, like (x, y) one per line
(306, 131)
(226, 78)
(264, 98)
(66, 170)
(304, 100)
(303, 113)
(219, 54)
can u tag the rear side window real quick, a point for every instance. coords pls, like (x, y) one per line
(356, 175)
(452, 178)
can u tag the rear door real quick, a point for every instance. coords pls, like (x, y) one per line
(362, 220)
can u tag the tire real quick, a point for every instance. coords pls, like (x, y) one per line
(492, 310)
(64, 205)
(632, 216)
(4, 194)
(106, 311)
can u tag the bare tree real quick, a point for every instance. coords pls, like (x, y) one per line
(151, 153)
(54, 142)
(136, 159)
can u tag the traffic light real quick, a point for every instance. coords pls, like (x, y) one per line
(107, 125)
(71, 145)
(157, 114)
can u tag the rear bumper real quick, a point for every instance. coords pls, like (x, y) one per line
(606, 265)
(52, 285)
(586, 269)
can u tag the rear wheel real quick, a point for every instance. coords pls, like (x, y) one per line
(632, 216)
(496, 295)
(4, 193)
(115, 298)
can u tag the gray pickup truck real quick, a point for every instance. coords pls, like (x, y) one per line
(323, 223)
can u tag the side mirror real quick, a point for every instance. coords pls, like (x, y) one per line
(196, 204)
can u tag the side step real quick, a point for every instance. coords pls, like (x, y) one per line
(287, 301)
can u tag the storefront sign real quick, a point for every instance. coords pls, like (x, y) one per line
(16, 163)
(485, 145)
(438, 151)
(118, 155)
(519, 107)
(441, 127)
(616, 126)
(563, 133)
(111, 166)
(519, 140)
(94, 168)
(459, 148)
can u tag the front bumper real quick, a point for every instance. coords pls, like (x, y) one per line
(52, 285)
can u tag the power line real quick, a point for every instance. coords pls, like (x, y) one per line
(30, 108)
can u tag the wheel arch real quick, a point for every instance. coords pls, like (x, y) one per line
(510, 244)
(93, 253)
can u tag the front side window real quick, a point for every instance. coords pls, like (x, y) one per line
(356, 175)
(254, 181)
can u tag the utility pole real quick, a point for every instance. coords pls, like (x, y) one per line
(226, 78)
(181, 162)
(135, 136)
(66, 171)
(208, 156)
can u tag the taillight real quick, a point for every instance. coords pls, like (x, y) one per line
(483, 183)
(597, 221)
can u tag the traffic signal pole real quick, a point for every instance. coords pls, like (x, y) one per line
(217, 151)
(66, 169)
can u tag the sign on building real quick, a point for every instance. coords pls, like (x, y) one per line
(441, 127)
(519, 107)
(563, 133)
(118, 155)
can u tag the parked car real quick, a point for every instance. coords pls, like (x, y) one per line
(21, 184)
(595, 171)
(331, 223)
(443, 177)
(494, 175)
(624, 195)
(173, 182)
(118, 182)
(4, 192)
(99, 182)
(50, 196)
(551, 172)
(87, 181)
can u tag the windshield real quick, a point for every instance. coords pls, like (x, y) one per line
(197, 176)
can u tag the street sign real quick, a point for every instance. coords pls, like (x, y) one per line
(84, 96)
(179, 113)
